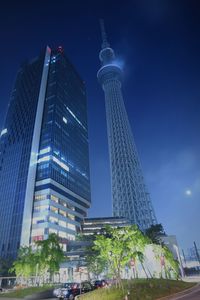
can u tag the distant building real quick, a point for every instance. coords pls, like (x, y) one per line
(171, 242)
(130, 198)
(44, 161)
(97, 225)
(191, 262)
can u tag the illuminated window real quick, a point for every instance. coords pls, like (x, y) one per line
(40, 197)
(53, 220)
(61, 164)
(54, 198)
(54, 209)
(71, 207)
(62, 234)
(56, 160)
(71, 217)
(45, 158)
(45, 150)
(71, 226)
(62, 224)
(57, 152)
(63, 203)
(62, 213)
(41, 208)
(73, 115)
(64, 120)
(4, 131)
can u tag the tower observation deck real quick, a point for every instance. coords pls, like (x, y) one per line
(130, 198)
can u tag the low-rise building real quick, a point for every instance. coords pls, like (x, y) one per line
(97, 225)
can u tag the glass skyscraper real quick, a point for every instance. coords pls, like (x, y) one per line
(130, 198)
(44, 159)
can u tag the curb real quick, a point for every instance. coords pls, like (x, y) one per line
(11, 298)
(182, 293)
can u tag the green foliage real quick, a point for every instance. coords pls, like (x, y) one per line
(170, 264)
(46, 256)
(25, 264)
(118, 246)
(49, 254)
(154, 232)
(95, 263)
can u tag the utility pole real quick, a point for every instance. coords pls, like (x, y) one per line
(184, 257)
(197, 253)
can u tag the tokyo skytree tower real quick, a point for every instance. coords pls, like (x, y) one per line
(130, 198)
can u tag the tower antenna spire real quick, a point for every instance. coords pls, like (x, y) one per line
(105, 43)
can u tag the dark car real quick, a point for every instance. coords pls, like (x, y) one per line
(100, 283)
(71, 290)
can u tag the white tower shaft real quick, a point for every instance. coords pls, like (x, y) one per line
(129, 195)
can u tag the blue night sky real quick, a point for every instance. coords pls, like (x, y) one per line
(158, 43)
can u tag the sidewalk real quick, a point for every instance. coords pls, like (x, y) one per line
(1, 298)
(191, 278)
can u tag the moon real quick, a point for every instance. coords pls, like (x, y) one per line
(188, 192)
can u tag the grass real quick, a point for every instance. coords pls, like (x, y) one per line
(140, 289)
(151, 289)
(21, 293)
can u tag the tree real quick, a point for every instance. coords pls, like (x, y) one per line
(118, 246)
(171, 264)
(136, 243)
(25, 264)
(45, 256)
(95, 263)
(50, 255)
(154, 232)
(112, 250)
(167, 261)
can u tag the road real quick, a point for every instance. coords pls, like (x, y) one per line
(193, 294)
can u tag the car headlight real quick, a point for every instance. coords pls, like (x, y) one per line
(56, 292)
(65, 293)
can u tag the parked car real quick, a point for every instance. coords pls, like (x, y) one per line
(71, 290)
(100, 284)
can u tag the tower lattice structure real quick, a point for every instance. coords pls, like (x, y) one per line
(130, 198)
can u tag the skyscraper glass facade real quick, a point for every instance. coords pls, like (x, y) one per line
(15, 150)
(56, 191)
(62, 191)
